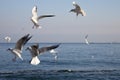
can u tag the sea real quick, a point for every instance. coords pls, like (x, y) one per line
(76, 61)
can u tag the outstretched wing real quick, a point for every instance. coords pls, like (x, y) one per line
(77, 7)
(86, 36)
(22, 41)
(34, 11)
(83, 12)
(44, 49)
(44, 16)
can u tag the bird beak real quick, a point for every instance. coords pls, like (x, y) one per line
(26, 48)
(8, 49)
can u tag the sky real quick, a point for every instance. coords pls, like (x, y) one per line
(101, 23)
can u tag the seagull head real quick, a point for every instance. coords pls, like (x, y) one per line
(9, 49)
(73, 2)
(28, 48)
(35, 7)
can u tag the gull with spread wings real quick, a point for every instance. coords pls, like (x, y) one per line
(35, 18)
(19, 46)
(35, 51)
(77, 10)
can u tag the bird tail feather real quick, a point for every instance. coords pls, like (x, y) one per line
(35, 61)
(83, 13)
(19, 55)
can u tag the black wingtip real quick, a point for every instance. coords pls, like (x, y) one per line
(27, 35)
(57, 45)
(53, 15)
(27, 38)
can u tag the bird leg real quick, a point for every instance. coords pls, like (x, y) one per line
(56, 57)
(14, 59)
(33, 26)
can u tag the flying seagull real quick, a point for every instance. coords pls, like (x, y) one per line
(7, 38)
(86, 41)
(35, 51)
(77, 10)
(54, 53)
(19, 46)
(35, 18)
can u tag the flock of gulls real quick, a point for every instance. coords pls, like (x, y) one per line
(34, 49)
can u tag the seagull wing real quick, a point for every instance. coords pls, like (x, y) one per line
(83, 12)
(77, 7)
(44, 49)
(35, 51)
(22, 41)
(86, 36)
(44, 16)
(34, 11)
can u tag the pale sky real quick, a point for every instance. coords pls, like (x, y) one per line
(102, 22)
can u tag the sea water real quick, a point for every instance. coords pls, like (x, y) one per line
(76, 61)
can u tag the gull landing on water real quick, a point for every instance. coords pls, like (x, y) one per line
(19, 46)
(77, 10)
(35, 18)
(35, 51)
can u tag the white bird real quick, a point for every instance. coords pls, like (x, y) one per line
(19, 46)
(53, 52)
(86, 41)
(7, 38)
(78, 10)
(35, 51)
(35, 18)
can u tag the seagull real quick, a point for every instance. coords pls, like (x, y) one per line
(35, 51)
(35, 18)
(77, 10)
(19, 46)
(53, 52)
(86, 41)
(7, 38)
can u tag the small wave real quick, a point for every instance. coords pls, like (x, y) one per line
(61, 75)
(60, 71)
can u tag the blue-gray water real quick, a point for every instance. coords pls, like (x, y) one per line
(76, 61)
